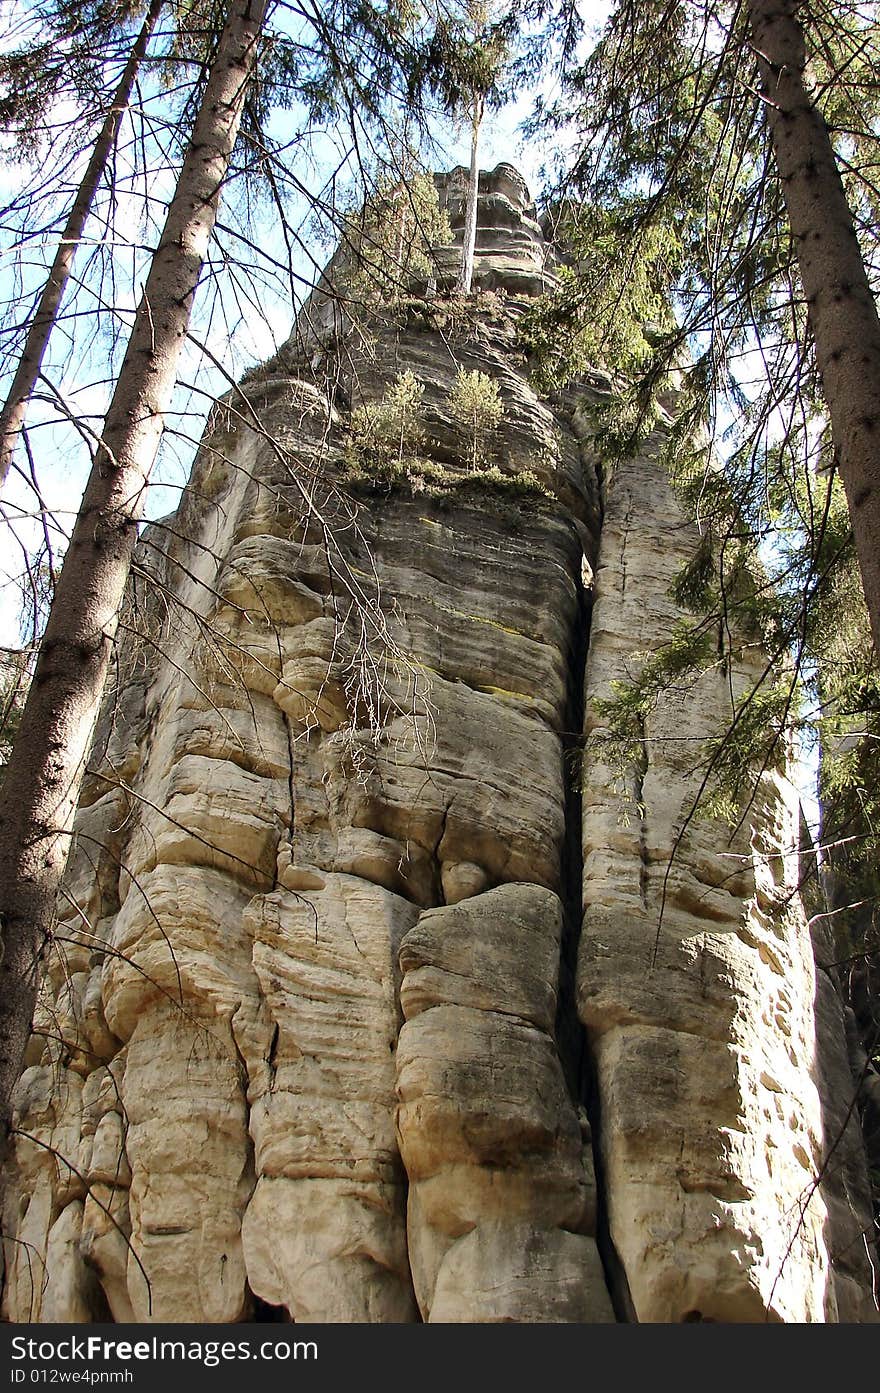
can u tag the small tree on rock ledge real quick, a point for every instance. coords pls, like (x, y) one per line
(475, 403)
(387, 429)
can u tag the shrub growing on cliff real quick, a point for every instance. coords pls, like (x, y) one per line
(475, 403)
(386, 431)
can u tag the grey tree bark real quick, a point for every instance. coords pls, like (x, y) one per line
(45, 769)
(841, 307)
(466, 270)
(12, 415)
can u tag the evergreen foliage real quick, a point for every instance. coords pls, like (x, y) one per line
(475, 403)
(14, 680)
(57, 52)
(466, 59)
(388, 245)
(683, 280)
(387, 431)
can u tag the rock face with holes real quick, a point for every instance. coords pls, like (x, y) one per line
(374, 997)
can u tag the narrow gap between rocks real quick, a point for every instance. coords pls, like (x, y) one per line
(573, 1044)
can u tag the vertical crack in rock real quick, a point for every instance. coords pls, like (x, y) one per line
(570, 1033)
(640, 773)
(574, 1048)
(291, 783)
(251, 1303)
(624, 543)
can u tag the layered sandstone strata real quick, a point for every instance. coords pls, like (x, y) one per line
(308, 1043)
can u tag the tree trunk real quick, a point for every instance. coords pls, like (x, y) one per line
(14, 409)
(45, 770)
(842, 311)
(466, 271)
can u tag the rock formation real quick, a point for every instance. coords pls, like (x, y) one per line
(374, 996)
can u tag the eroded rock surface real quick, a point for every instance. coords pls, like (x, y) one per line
(308, 1037)
(720, 1054)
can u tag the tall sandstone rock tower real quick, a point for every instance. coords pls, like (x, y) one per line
(359, 1010)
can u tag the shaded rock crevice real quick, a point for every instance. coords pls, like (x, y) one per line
(574, 1047)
